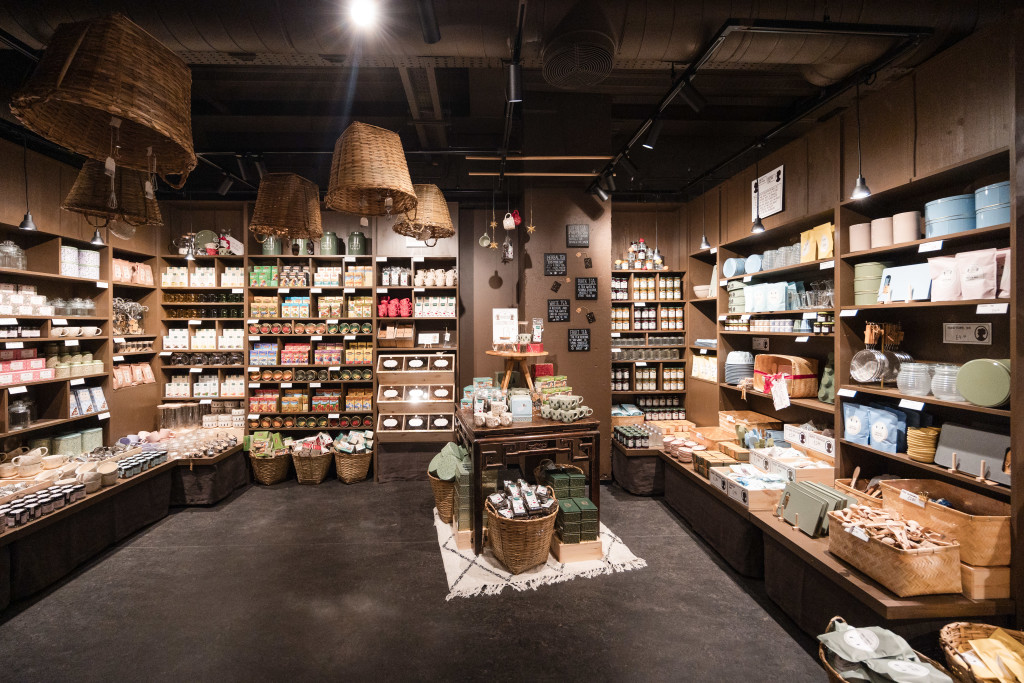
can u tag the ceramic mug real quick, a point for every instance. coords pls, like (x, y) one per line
(492, 420)
(545, 412)
(585, 411)
(28, 469)
(478, 420)
(70, 331)
(572, 401)
(506, 419)
(8, 470)
(10, 455)
(91, 331)
(31, 458)
(53, 461)
(558, 415)
(92, 480)
(508, 222)
(107, 472)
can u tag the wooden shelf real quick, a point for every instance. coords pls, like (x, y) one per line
(635, 452)
(656, 392)
(34, 340)
(311, 381)
(47, 424)
(702, 300)
(811, 403)
(649, 301)
(175, 288)
(623, 347)
(665, 271)
(342, 366)
(809, 265)
(700, 379)
(660, 360)
(775, 314)
(132, 285)
(203, 398)
(36, 275)
(134, 353)
(55, 380)
(929, 400)
(687, 470)
(202, 303)
(956, 239)
(204, 367)
(397, 436)
(809, 335)
(315, 413)
(928, 304)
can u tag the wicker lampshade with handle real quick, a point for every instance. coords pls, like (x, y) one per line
(91, 195)
(96, 70)
(430, 219)
(287, 205)
(369, 169)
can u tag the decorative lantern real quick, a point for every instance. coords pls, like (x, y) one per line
(287, 205)
(430, 220)
(369, 176)
(106, 88)
(103, 202)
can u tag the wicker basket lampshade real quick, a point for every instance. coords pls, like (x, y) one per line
(96, 70)
(430, 219)
(368, 169)
(287, 205)
(90, 196)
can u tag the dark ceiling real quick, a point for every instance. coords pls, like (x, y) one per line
(279, 81)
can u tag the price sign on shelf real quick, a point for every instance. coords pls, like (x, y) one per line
(205, 402)
(103, 416)
(929, 246)
(825, 265)
(118, 359)
(254, 385)
(77, 382)
(286, 385)
(316, 290)
(60, 321)
(847, 393)
(119, 340)
(849, 313)
(314, 385)
(912, 498)
(14, 345)
(703, 352)
(641, 364)
(102, 285)
(382, 290)
(748, 278)
(352, 290)
(17, 390)
(801, 339)
(195, 370)
(810, 316)
(713, 250)
(317, 337)
(165, 353)
(333, 416)
(350, 259)
(70, 342)
(912, 405)
(349, 337)
(987, 309)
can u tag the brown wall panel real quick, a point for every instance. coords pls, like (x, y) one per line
(735, 205)
(662, 226)
(794, 158)
(887, 138)
(823, 154)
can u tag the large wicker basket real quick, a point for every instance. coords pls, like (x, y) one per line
(109, 67)
(270, 469)
(311, 466)
(352, 467)
(430, 219)
(287, 205)
(800, 374)
(444, 497)
(955, 638)
(91, 192)
(520, 544)
(367, 169)
(836, 677)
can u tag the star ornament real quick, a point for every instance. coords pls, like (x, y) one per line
(530, 229)
(494, 224)
(494, 245)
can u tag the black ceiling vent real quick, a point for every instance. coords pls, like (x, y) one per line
(581, 50)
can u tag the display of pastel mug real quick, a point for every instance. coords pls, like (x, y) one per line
(572, 401)
(91, 332)
(28, 469)
(8, 470)
(69, 331)
(10, 455)
(508, 222)
(558, 415)
(585, 411)
(31, 458)
(53, 461)
(492, 420)
(545, 412)
(506, 419)
(92, 480)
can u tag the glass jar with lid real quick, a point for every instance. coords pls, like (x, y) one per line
(19, 415)
(914, 379)
(78, 306)
(944, 383)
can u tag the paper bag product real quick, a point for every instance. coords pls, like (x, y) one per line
(1003, 269)
(884, 431)
(945, 278)
(823, 235)
(856, 423)
(808, 246)
(977, 274)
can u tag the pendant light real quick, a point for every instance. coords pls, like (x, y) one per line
(27, 223)
(97, 239)
(758, 226)
(704, 244)
(860, 190)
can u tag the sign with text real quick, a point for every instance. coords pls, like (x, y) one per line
(554, 264)
(558, 310)
(766, 194)
(579, 339)
(577, 235)
(504, 325)
(586, 288)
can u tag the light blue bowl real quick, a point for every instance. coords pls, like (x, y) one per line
(993, 195)
(753, 263)
(948, 226)
(992, 215)
(949, 207)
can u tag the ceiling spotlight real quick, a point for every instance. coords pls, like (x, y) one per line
(602, 193)
(97, 239)
(693, 98)
(261, 168)
(757, 227)
(860, 190)
(428, 21)
(225, 185)
(514, 86)
(190, 256)
(653, 131)
(628, 166)
(241, 168)
(27, 224)
(609, 181)
(363, 13)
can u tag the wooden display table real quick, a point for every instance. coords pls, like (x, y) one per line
(576, 443)
(514, 359)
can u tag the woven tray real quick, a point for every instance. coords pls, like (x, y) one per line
(271, 469)
(766, 364)
(444, 496)
(835, 677)
(955, 638)
(520, 544)
(352, 467)
(843, 486)
(311, 469)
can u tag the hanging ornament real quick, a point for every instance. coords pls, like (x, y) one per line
(531, 228)
(506, 249)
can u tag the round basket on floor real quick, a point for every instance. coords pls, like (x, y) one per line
(311, 468)
(955, 638)
(835, 677)
(539, 468)
(520, 544)
(444, 497)
(270, 469)
(352, 467)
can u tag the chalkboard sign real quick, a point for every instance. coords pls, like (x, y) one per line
(558, 310)
(577, 235)
(554, 264)
(586, 288)
(579, 339)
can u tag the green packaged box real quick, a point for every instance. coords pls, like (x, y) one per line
(569, 537)
(569, 528)
(586, 536)
(568, 511)
(589, 526)
(588, 511)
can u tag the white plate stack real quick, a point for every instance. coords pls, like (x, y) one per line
(738, 366)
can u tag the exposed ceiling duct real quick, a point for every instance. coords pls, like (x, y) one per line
(580, 52)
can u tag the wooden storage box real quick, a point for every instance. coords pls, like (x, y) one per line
(735, 451)
(729, 419)
(985, 583)
(980, 524)
(786, 467)
(576, 552)
(750, 498)
(843, 486)
(925, 571)
(801, 374)
(710, 437)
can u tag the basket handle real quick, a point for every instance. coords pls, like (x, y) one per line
(832, 623)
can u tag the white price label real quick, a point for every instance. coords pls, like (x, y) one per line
(745, 317)
(640, 304)
(810, 316)
(254, 385)
(382, 290)
(350, 336)
(103, 416)
(70, 342)
(165, 353)
(858, 532)
(102, 285)
(59, 321)
(252, 369)
(723, 283)
(417, 259)
(616, 350)
(616, 335)
(252, 322)
(8, 321)
(237, 290)
(748, 278)
(930, 246)
(723, 317)
(334, 368)
(641, 364)
(316, 290)
(17, 390)
(314, 385)
(284, 290)
(333, 416)
(14, 345)
(847, 393)
(286, 385)
(332, 321)
(119, 340)
(912, 497)
(254, 416)
(984, 309)
(195, 370)
(382, 259)
(118, 359)
(826, 265)
(205, 402)
(254, 337)
(350, 259)
(419, 289)
(849, 313)
(195, 322)
(703, 352)
(802, 339)
(77, 382)
(912, 405)
(316, 337)
(713, 250)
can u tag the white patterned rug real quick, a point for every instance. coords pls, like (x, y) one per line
(469, 575)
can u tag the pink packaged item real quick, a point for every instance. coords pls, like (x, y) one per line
(945, 278)
(1003, 270)
(977, 274)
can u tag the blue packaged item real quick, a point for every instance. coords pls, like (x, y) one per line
(856, 423)
(884, 430)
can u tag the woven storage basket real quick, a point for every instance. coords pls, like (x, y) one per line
(271, 469)
(836, 677)
(287, 205)
(538, 469)
(802, 373)
(924, 571)
(520, 544)
(444, 497)
(981, 525)
(352, 467)
(91, 191)
(955, 638)
(109, 67)
(311, 469)
(369, 167)
(430, 219)
(843, 486)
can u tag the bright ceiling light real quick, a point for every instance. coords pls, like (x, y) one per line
(363, 13)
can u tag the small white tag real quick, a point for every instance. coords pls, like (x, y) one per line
(991, 308)
(703, 352)
(14, 345)
(380, 259)
(382, 290)
(70, 342)
(254, 385)
(77, 382)
(333, 416)
(17, 390)
(748, 278)
(419, 289)
(254, 337)
(205, 402)
(118, 359)
(252, 369)
(912, 405)
(616, 335)
(810, 316)
(8, 321)
(165, 353)
(745, 317)
(332, 321)
(316, 290)
(195, 322)
(103, 416)
(195, 370)
(847, 393)
(801, 339)
(350, 259)
(236, 290)
(640, 304)
(858, 532)
(723, 283)
(417, 259)
(723, 317)
(59, 321)
(930, 246)
(284, 290)
(616, 351)
(713, 250)
(849, 313)
(252, 322)
(334, 368)
(825, 265)
(316, 337)
(780, 394)
(314, 385)
(912, 497)
(102, 285)
(641, 364)
(350, 336)
(254, 416)
(119, 340)
(286, 385)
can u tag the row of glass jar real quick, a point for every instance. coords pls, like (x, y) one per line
(922, 379)
(645, 354)
(204, 297)
(75, 306)
(226, 312)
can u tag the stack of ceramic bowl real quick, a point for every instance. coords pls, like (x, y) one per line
(985, 382)
(733, 267)
(992, 205)
(921, 443)
(949, 215)
(738, 366)
(737, 297)
(867, 277)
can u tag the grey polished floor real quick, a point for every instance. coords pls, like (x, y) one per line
(300, 583)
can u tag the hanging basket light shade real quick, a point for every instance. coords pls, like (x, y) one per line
(96, 70)
(287, 205)
(369, 176)
(430, 219)
(91, 196)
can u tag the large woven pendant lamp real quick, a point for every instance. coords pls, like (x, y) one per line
(369, 176)
(106, 86)
(287, 205)
(93, 196)
(430, 220)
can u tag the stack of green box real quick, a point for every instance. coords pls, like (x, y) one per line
(588, 519)
(559, 484)
(577, 485)
(567, 522)
(461, 505)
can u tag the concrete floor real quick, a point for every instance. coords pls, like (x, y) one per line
(300, 583)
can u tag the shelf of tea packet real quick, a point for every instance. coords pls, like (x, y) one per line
(928, 400)
(957, 239)
(36, 275)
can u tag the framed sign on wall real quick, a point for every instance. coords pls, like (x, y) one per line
(579, 339)
(554, 264)
(577, 235)
(558, 310)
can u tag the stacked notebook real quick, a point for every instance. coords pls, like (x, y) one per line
(806, 504)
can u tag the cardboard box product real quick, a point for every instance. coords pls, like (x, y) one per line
(710, 437)
(735, 451)
(792, 465)
(729, 419)
(806, 439)
(985, 583)
(751, 487)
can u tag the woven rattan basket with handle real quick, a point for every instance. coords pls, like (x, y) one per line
(287, 205)
(520, 544)
(800, 374)
(311, 466)
(109, 67)
(430, 219)
(352, 467)
(836, 677)
(367, 169)
(955, 638)
(89, 195)
(539, 470)
(444, 497)
(270, 469)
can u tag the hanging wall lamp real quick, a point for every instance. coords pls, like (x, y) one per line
(97, 239)
(628, 166)
(514, 86)
(704, 244)
(758, 226)
(27, 223)
(860, 190)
